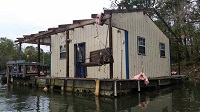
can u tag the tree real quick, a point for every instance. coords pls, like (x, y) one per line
(30, 54)
(183, 18)
(7, 51)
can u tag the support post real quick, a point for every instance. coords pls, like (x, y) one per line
(20, 51)
(178, 58)
(138, 86)
(38, 57)
(8, 76)
(97, 104)
(110, 44)
(67, 53)
(115, 88)
(97, 88)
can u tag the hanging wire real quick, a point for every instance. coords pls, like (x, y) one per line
(105, 45)
(142, 64)
(106, 38)
(97, 36)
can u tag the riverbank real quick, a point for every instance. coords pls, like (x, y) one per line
(191, 71)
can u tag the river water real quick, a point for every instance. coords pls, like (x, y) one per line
(178, 98)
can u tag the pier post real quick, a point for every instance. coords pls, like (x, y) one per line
(97, 104)
(138, 86)
(8, 76)
(111, 44)
(97, 88)
(115, 88)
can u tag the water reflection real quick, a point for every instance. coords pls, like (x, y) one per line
(180, 98)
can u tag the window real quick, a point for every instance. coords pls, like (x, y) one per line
(62, 51)
(141, 45)
(162, 49)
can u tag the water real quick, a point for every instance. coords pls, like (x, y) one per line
(179, 98)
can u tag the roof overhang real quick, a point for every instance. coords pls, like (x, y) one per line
(42, 35)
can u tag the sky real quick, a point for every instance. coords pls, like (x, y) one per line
(25, 17)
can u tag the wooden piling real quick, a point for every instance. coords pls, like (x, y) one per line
(8, 76)
(138, 86)
(115, 88)
(97, 88)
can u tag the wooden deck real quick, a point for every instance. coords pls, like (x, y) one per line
(98, 87)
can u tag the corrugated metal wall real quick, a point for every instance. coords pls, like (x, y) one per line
(138, 24)
(58, 66)
(87, 34)
(119, 65)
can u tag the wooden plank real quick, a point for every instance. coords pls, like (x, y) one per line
(78, 21)
(83, 23)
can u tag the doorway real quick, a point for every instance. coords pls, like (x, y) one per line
(79, 57)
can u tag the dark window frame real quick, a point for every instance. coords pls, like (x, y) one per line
(162, 49)
(62, 52)
(141, 45)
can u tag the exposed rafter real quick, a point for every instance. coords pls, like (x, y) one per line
(32, 39)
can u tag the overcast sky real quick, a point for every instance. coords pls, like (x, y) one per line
(24, 17)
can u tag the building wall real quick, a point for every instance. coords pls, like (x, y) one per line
(138, 24)
(58, 66)
(86, 34)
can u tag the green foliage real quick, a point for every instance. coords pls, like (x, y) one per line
(10, 52)
(7, 50)
(183, 18)
(47, 59)
(137, 4)
(30, 54)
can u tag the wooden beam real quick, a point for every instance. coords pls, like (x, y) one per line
(43, 33)
(61, 28)
(36, 36)
(63, 25)
(83, 23)
(110, 44)
(28, 36)
(93, 15)
(78, 21)
(38, 57)
(20, 51)
(20, 38)
(18, 41)
(67, 53)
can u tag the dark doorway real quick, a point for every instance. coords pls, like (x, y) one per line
(79, 57)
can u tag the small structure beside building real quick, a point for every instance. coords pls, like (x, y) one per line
(112, 47)
(26, 69)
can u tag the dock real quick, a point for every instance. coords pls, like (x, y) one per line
(97, 87)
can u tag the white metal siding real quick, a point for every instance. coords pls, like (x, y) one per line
(87, 34)
(138, 24)
(58, 66)
(119, 67)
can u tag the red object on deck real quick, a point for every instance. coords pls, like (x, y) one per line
(141, 76)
